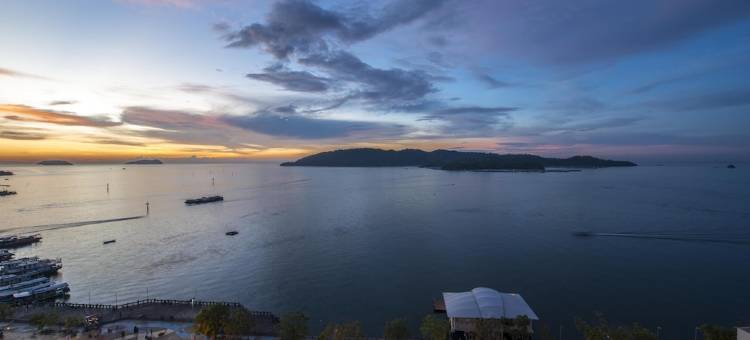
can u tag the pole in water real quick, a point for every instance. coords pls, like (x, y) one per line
(212, 181)
(107, 187)
(147, 208)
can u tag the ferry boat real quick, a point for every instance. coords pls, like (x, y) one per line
(22, 285)
(52, 291)
(31, 285)
(18, 241)
(203, 200)
(28, 265)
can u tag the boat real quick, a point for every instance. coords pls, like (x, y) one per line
(33, 285)
(30, 265)
(232, 233)
(110, 241)
(583, 233)
(204, 199)
(24, 284)
(52, 291)
(18, 241)
(5, 255)
(7, 192)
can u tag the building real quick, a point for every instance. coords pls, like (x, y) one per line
(743, 333)
(464, 309)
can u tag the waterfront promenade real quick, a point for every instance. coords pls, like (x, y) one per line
(147, 310)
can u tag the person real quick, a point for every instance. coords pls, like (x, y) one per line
(135, 329)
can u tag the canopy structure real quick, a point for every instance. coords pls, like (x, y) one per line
(486, 303)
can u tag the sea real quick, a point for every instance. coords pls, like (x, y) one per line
(667, 247)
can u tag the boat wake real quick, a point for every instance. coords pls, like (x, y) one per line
(46, 227)
(689, 237)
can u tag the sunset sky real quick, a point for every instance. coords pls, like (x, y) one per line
(116, 80)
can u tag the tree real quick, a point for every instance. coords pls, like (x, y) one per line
(713, 332)
(216, 320)
(239, 322)
(345, 331)
(602, 330)
(211, 320)
(43, 320)
(6, 311)
(294, 326)
(489, 329)
(434, 328)
(72, 322)
(396, 330)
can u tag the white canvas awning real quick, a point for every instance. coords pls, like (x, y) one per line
(486, 303)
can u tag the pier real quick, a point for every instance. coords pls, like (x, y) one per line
(264, 323)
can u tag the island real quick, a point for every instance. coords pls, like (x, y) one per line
(146, 161)
(450, 160)
(54, 162)
(5, 173)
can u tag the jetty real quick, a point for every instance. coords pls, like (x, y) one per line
(264, 323)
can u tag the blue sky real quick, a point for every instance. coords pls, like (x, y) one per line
(642, 80)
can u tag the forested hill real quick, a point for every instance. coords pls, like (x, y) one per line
(448, 160)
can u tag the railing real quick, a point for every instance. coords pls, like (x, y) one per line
(144, 302)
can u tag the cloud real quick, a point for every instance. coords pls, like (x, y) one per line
(23, 113)
(716, 100)
(490, 81)
(296, 126)
(564, 32)
(472, 121)
(172, 3)
(372, 83)
(300, 26)
(301, 81)
(18, 74)
(498, 110)
(17, 135)
(62, 102)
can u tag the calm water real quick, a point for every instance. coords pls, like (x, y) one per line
(376, 244)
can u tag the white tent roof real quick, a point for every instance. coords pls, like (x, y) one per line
(486, 303)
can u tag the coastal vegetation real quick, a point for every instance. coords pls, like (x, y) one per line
(215, 320)
(145, 161)
(713, 332)
(344, 331)
(449, 160)
(6, 311)
(293, 326)
(6, 173)
(601, 329)
(44, 320)
(434, 327)
(54, 162)
(396, 330)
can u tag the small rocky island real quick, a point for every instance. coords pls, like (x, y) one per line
(450, 160)
(5, 173)
(146, 161)
(54, 162)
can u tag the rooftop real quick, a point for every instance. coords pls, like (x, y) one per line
(486, 303)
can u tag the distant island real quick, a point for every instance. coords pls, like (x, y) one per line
(449, 160)
(146, 161)
(54, 162)
(5, 173)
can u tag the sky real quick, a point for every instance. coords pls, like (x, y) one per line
(642, 80)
